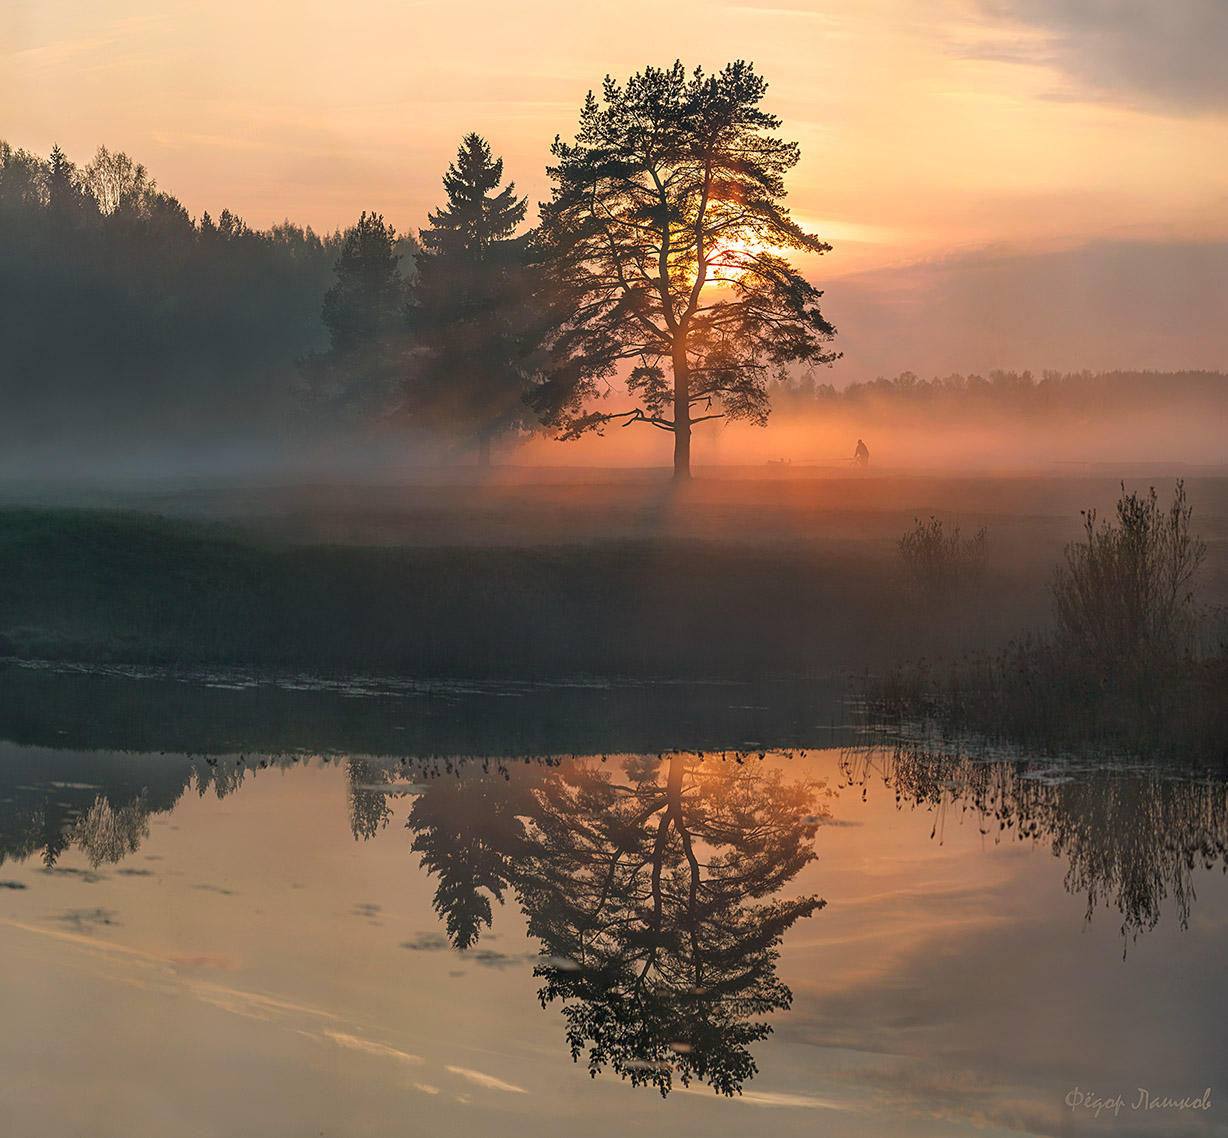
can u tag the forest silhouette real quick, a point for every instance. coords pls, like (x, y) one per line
(125, 320)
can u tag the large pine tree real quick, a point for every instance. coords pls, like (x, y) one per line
(661, 242)
(468, 306)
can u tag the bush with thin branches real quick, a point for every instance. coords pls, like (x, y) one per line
(1133, 663)
(1123, 603)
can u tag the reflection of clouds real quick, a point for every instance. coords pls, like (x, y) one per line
(773, 1098)
(154, 972)
(252, 1005)
(487, 1081)
(995, 1025)
(959, 982)
(958, 1095)
(370, 1047)
(105, 948)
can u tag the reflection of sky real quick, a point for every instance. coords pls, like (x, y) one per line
(272, 975)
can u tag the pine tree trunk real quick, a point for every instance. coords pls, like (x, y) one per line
(682, 413)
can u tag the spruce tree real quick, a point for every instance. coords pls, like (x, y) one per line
(359, 377)
(468, 306)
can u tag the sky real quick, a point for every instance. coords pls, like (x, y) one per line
(941, 139)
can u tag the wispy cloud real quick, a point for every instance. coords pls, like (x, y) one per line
(780, 12)
(72, 53)
(1166, 57)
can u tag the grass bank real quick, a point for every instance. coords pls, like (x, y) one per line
(106, 586)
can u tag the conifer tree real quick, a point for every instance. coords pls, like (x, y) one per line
(661, 244)
(468, 306)
(359, 377)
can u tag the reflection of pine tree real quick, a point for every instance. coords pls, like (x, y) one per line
(648, 895)
(644, 888)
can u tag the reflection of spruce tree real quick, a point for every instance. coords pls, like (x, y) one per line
(469, 835)
(1131, 838)
(648, 896)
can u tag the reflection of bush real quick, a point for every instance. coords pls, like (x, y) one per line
(1132, 838)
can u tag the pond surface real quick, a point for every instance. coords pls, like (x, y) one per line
(843, 941)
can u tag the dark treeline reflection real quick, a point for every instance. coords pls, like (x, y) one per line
(54, 801)
(1131, 838)
(652, 885)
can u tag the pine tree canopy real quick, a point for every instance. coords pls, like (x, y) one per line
(662, 244)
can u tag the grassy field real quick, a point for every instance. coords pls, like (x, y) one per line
(514, 580)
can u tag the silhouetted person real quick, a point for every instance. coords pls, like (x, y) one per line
(861, 456)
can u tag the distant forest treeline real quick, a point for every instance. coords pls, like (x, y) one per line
(118, 308)
(122, 317)
(1020, 392)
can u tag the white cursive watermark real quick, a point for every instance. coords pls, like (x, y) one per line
(1096, 1104)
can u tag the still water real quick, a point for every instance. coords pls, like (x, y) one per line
(837, 940)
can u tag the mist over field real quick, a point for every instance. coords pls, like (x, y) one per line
(1107, 424)
(1011, 423)
(143, 343)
